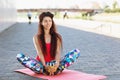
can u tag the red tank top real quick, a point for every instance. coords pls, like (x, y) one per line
(47, 57)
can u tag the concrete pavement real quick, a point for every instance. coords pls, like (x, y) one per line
(99, 53)
(99, 27)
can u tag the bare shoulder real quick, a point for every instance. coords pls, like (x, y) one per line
(59, 39)
(35, 37)
(59, 36)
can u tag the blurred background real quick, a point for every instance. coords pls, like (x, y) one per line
(79, 9)
(103, 10)
(93, 26)
(92, 10)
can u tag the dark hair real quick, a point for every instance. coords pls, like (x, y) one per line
(54, 35)
(44, 14)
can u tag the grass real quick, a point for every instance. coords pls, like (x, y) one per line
(106, 17)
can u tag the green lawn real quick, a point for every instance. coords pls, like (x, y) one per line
(107, 17)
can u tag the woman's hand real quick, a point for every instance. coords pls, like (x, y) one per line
(57, 64)
(52, 69)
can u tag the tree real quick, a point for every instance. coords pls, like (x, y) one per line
(115, 4)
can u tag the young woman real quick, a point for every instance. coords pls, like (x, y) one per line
(47, 41)
(48, 44)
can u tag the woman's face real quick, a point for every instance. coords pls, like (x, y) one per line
(47, 23)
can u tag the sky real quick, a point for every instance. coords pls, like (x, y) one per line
(27, 4)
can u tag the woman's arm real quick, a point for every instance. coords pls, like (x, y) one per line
(38, 49)
(58, 51)
(57, 58)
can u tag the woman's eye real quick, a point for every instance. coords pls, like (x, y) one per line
(50, 21)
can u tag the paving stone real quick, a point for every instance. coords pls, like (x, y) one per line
(99, 54)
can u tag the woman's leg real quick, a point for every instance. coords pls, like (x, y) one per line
(30, 63)
(37, 66)
(68, 60)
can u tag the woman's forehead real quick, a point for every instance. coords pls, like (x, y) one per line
(47, 18)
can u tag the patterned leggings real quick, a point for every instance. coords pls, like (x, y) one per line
(37, 66)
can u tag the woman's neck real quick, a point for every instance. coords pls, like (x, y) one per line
(47, 32)
(47, 37)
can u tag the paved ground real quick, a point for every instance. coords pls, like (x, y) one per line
(99, 54)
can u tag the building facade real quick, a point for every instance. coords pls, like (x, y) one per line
(8, 14)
